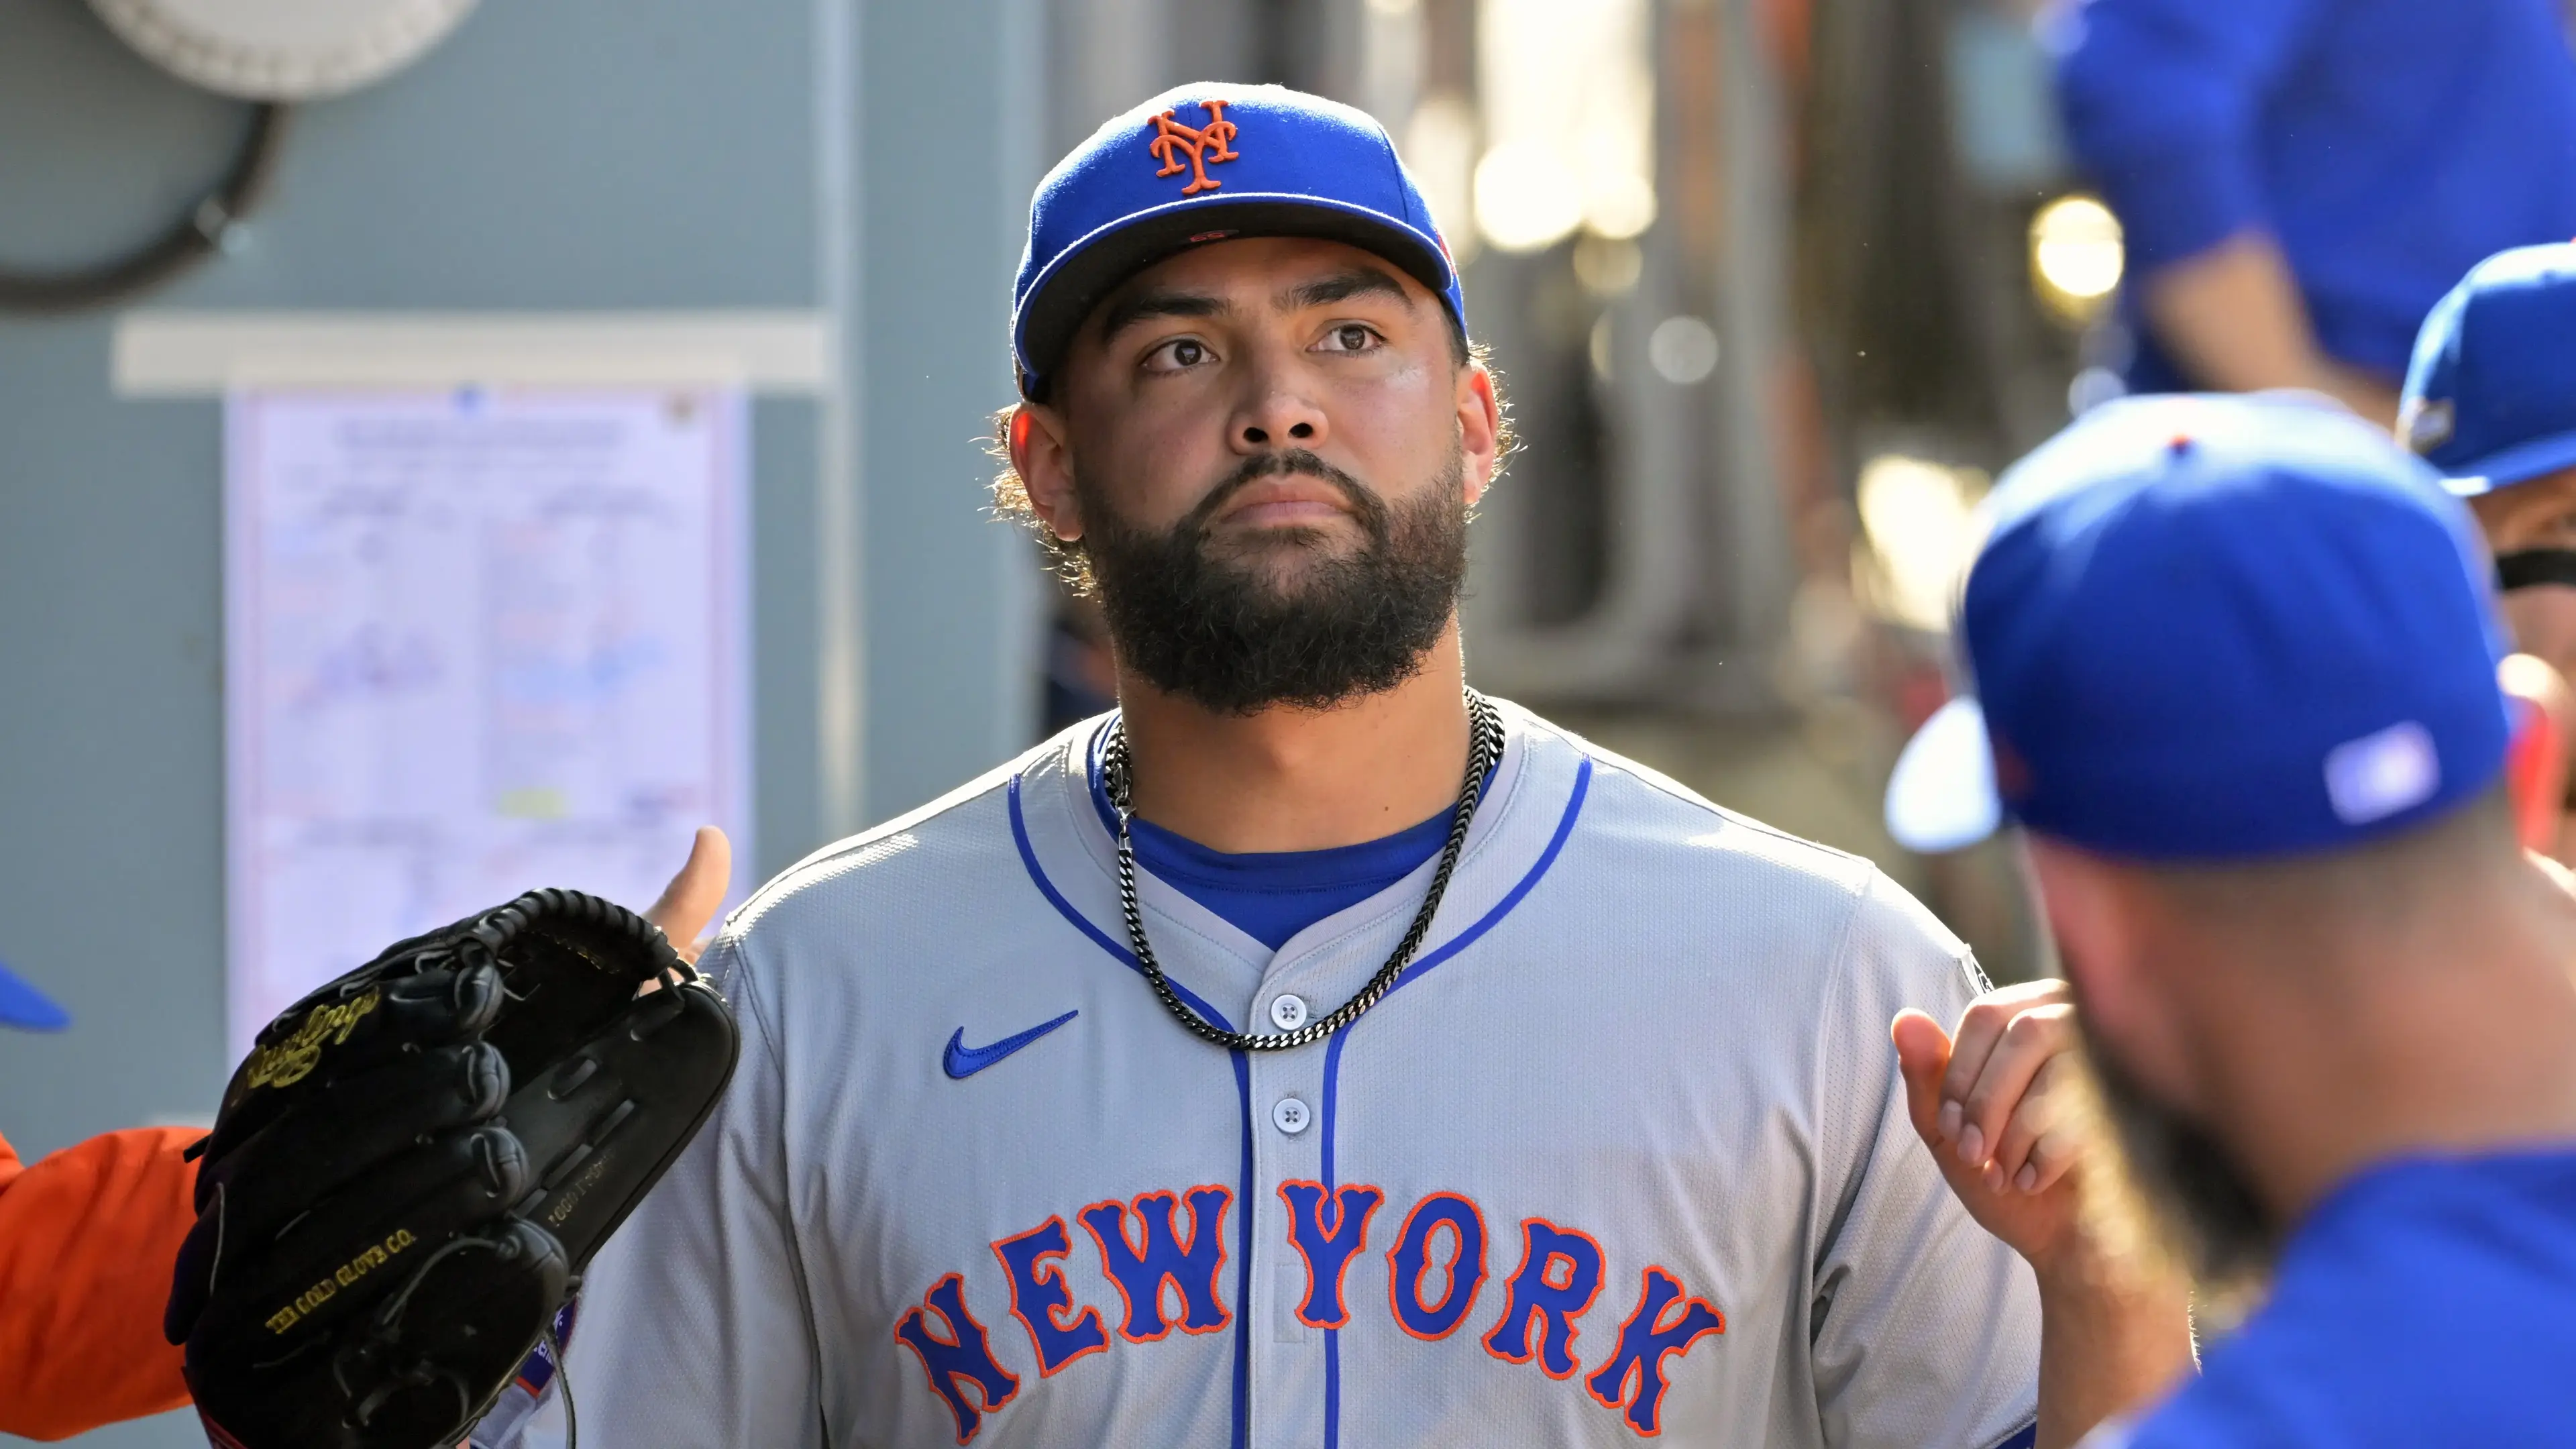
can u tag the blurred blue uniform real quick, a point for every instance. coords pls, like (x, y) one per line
(2387, 145)
(2465, 1269)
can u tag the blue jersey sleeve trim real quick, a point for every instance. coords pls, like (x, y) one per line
(2025, 1437)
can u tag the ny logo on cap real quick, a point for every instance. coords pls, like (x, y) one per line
(1172, 139)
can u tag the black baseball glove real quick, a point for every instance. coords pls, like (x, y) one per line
(415, 1163)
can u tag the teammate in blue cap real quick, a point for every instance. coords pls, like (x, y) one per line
(1315, 1051)
(2491, 401)
(2231, 665)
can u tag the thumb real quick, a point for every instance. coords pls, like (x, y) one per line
(1922, 1056)
(689, 903)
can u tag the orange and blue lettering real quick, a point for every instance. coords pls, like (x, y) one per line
(1559, 1275)
(1141, 1268)
(1173, 140)
(960, 1364)
(1327, 1251)
(1042, 1303)
(1645, 1341)
(1410, 1259)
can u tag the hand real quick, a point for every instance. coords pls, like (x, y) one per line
(2001, 1111)
(689, 903)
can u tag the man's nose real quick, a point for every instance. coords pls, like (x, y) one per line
(1277, 415)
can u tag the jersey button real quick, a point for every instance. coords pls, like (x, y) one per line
(1290, 1116)
(1288, 1012)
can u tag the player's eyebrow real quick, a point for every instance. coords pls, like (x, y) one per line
(1127, 311)
(1341, 286)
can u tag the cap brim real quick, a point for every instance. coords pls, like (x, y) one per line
(2518, 464)
(22, 1005)
(1942, 796)
(1098, 265)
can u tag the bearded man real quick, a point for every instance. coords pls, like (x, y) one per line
(2324, 992)
(1315, 1051)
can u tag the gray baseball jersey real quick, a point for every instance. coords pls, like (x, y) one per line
(1623, 1154)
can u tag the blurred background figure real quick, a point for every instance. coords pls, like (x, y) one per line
(2299, 180)
(87, 1237)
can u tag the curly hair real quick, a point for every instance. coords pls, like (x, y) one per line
(1065, 556)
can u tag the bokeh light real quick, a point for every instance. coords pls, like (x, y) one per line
(1568, 121)
(2076, 256)
(1683, 350)
(1440, 145)
(1527, 197)
(1919, 521)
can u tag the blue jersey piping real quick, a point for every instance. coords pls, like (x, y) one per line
(1243, 1102)
(1333, 1056)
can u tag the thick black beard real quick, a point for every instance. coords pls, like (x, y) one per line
(2203, 1203)
(1218, 631)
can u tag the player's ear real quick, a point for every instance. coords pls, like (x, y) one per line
(1035, 437)
(1480, 428)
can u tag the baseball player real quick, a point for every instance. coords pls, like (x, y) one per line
(2491, 401)
(86, 1239)
(2326, 998)
(1315, 1051)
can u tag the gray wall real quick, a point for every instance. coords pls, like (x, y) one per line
(870, 162)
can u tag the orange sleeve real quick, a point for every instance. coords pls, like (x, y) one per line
(88, 1238)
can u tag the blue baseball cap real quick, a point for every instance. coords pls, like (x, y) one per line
(2210, 629)
(22, 1005)
(1204, 163)
(2491, 397)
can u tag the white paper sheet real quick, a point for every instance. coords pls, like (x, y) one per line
(475, 643)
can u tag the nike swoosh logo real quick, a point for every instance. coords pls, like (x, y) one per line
(962, 1061)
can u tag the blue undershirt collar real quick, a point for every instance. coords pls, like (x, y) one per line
(1272, 895)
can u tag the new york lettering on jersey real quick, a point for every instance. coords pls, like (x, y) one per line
(1622, 1155)
(1435, 1271)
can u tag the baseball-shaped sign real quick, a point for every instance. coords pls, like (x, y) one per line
(282, 50)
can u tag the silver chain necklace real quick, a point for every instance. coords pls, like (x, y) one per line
(1485, 746)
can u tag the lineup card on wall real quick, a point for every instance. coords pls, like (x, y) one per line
(475, 643)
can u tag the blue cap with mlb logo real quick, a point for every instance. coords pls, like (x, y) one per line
(2214, 629)
(1204, 163)
(2491, 397)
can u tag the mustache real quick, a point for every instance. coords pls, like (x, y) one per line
(1365, 505)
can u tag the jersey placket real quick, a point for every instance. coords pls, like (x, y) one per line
(1288, 1332)
(1295, 1286)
